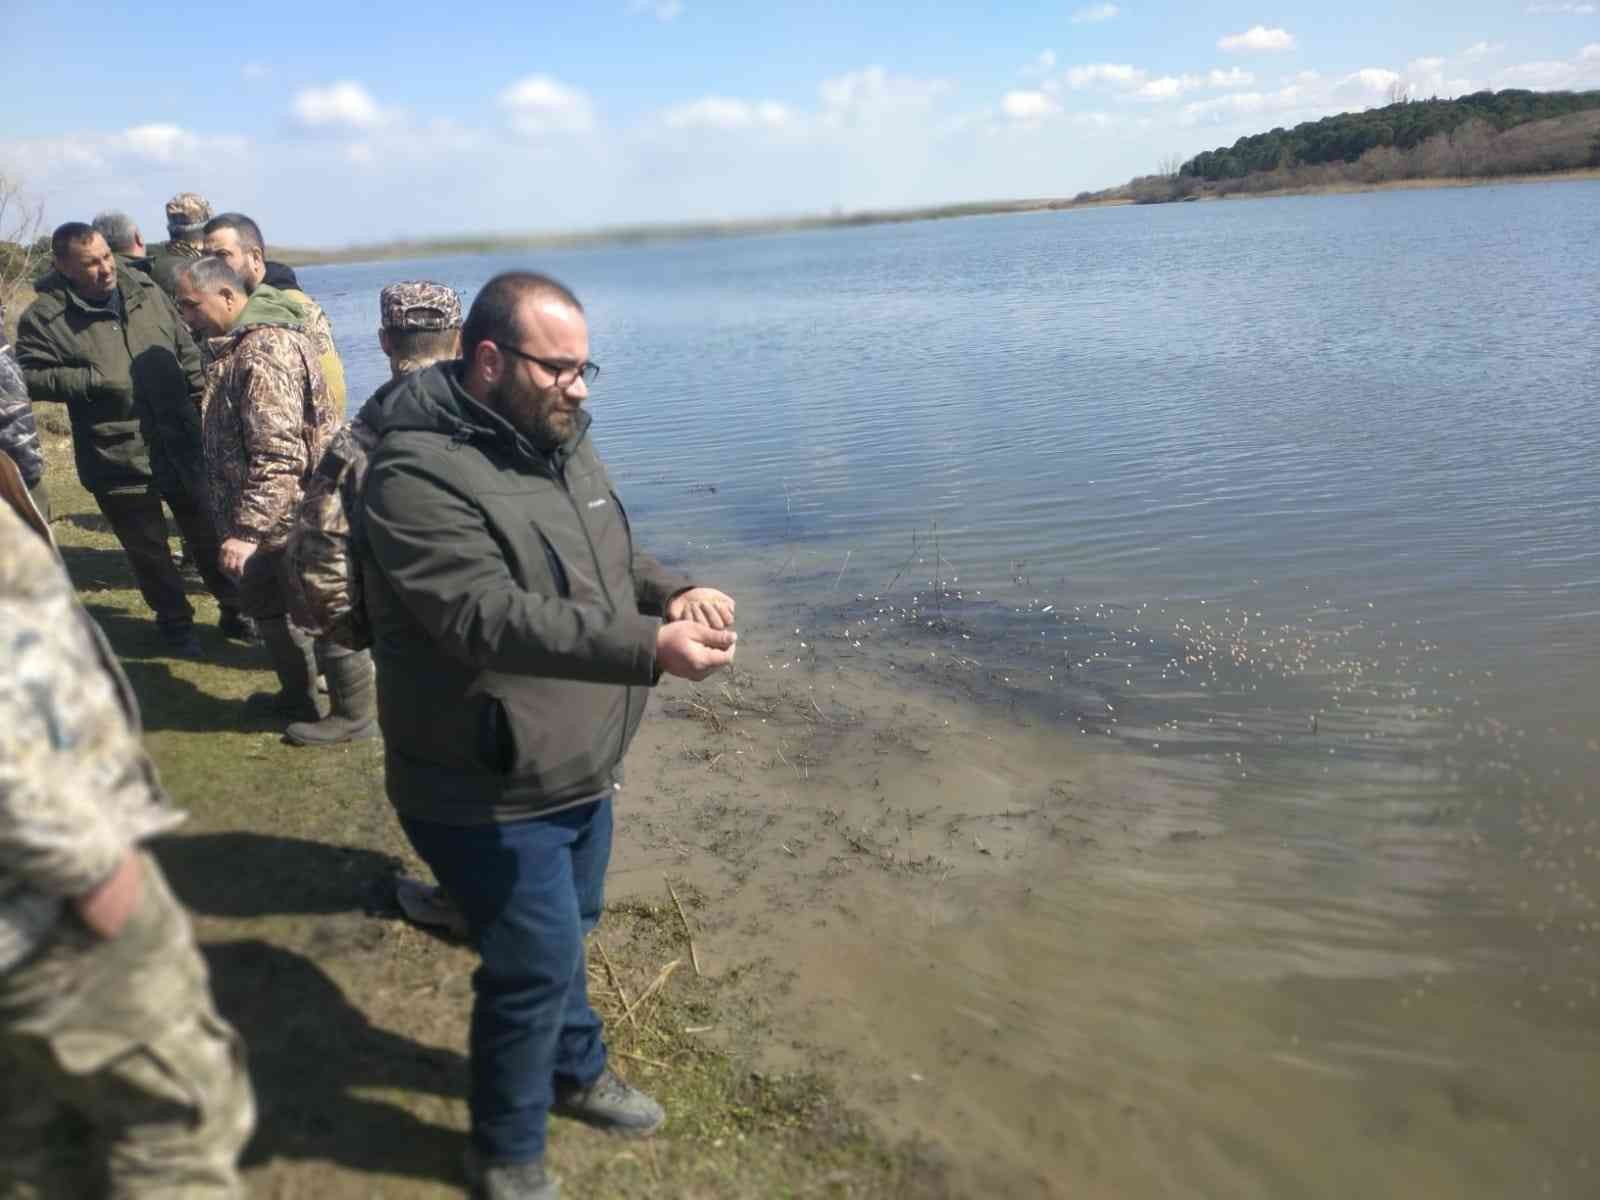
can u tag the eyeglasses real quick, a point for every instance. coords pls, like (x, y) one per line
(566, 374)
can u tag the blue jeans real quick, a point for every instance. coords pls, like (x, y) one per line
(530, 891)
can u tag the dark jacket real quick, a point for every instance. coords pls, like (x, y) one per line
(19, 435)
(167, 258)
(280, 276)
(513, 622)
(131, 386)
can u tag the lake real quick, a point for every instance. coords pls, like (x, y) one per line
(1256, 542)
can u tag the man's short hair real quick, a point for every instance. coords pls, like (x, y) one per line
(118, 230)
(422, 345)
(69, 235)
(248, 231)
(208, 273)
(419, 304)
(493, 316)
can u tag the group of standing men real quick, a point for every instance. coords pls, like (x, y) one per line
(516, 630)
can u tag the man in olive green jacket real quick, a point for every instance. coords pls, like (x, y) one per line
(517, 632)
(108, 344)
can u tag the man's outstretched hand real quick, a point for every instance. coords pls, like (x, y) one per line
(692, 651)
(704, 605)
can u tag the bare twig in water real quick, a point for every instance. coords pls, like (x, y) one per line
(903, 565)
(938, 575)
(694, 955)
(840, 575)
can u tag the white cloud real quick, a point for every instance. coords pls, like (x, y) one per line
(1093, 14)
(1377, 80)
(1028, 105)
(1481, 50)
(868, 97)
(661, 10)
(1581, 10)
(1590, 53)
(539, 105)
(1423, 66)
(255, 71)
(719, 112)
(1168, 87)
(1257, 39)
(1232, 77)
(343, 104)
(1236, 104)
(1116, 74)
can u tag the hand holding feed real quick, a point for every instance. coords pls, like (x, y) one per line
(703, 605)
(692, 651)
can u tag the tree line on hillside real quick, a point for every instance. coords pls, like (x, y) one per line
(1402, 126)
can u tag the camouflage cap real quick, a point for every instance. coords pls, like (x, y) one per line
(419, 304)
(188, 209)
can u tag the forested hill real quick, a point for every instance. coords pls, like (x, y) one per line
(1403, 127)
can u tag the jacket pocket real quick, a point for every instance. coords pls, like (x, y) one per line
(497, 741)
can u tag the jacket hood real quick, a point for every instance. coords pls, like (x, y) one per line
(268, 306)
(433, 401)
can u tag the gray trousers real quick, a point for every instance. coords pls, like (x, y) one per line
(117, 1044)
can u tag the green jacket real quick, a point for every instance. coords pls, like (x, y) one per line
(513, 622)
(132, 387)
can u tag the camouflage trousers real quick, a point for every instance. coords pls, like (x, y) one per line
(117, 1076)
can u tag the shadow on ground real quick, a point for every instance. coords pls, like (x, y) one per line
(244, 875)
(312, 1051)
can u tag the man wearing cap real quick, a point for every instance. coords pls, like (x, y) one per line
(421, 325)
(107, 343)
(187, 214)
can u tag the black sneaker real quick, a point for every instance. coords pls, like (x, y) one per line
(611, 1104)
(234, 624)
(509, 1181)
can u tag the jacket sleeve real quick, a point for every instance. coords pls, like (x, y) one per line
(19, 435)
(66, 750)
(436, 552)
(47, 376)
(271, 413)
(654, 584)
(188, 356)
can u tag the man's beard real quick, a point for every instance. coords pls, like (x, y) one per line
(541, 418)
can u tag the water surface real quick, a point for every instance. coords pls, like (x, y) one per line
(1289, 507)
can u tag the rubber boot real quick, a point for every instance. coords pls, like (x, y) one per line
(290, 650)
(352, 686)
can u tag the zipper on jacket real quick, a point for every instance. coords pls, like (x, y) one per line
(600, 573)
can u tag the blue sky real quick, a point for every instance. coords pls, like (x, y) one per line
(340, 123)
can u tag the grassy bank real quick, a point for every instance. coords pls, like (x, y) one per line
(356, 1020)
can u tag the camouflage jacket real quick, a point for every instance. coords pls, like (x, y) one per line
(324, 578)
(76, 787)
(268, 419)
(19, 435)
(320, 330)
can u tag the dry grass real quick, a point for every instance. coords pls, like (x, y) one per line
(356, 1022)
